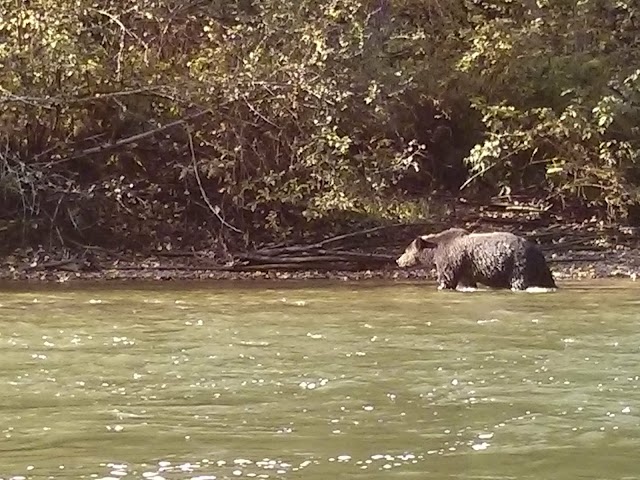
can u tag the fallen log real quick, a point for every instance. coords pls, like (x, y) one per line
(293, 260)
(324, 256)
(327, 266)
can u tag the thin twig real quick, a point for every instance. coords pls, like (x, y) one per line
(125, 30)
(214, 209)
(323, 243)
(257, 113)
(484, 170)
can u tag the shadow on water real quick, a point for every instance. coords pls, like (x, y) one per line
(318, 379)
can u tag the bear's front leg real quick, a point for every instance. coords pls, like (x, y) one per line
(447, 279)
(467, 282)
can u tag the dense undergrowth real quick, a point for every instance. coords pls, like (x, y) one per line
(155, 123)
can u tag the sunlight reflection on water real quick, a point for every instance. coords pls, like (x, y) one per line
(362, 381)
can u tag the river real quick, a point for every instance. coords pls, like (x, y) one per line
(319, 380)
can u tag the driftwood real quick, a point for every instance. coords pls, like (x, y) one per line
(331, 253)
(65, 265)
(318, 256)
(311, 258)
(181, 268)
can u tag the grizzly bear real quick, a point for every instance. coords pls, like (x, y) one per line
(496, 259)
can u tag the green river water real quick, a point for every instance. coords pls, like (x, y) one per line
(319, 380)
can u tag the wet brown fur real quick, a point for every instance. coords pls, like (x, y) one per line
(496, 259)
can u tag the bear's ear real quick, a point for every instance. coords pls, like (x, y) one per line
(426, 241)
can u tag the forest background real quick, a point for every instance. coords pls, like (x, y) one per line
(148, 125)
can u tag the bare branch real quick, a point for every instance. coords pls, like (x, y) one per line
(214, 209)
(126, 141)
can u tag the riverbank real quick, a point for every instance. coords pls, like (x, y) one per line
(622, 262)
(575, 250)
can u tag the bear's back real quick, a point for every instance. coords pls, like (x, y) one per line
(486, 257)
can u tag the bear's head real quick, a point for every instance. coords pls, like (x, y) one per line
(421, 249)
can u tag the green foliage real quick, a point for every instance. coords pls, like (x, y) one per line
(158, 120)
(559, 101)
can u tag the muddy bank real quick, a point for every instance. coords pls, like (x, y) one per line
(49, 267)
(575, 250)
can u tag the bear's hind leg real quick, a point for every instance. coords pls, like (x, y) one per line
(518, 281)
